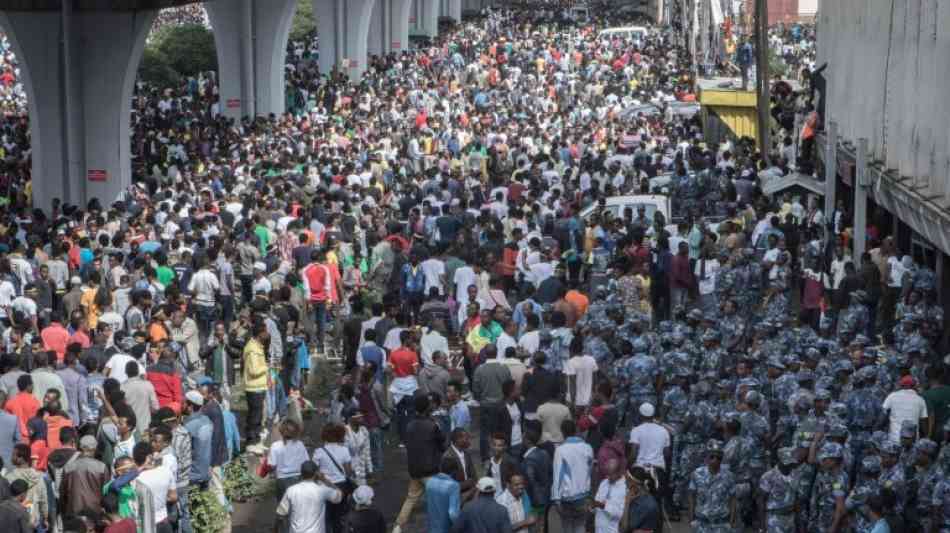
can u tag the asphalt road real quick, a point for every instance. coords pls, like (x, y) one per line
(390, 489)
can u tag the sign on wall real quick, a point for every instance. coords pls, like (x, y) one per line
(97, 175)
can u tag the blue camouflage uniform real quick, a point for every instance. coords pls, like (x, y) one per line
(780, 498)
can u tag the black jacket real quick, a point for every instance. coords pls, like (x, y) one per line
(425, 444)
(539, 386)
(498, 420)
(538, 471)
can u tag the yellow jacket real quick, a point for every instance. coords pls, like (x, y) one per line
(255, 367)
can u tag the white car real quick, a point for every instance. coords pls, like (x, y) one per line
(616, 205)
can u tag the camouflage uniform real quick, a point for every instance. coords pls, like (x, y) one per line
(941, 500)
(893, 477)
(780, 498)
(675, 409)
(925, 481)
(866, 486)
(698, 427)
(854, 319)
(736, 457)
(638, 376)
(713, 494)
(777, 306)
(829, 486)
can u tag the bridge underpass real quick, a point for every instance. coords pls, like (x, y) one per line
(79, 60)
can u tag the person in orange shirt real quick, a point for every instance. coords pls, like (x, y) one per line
(578, 301)
(157, 330)
(23, 405)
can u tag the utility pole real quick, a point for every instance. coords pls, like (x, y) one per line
(762, 75)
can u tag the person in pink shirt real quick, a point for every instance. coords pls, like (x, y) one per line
(55, 337)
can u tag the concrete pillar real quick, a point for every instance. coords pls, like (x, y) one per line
(79, 71)
(400, 25)
(451, 9)
(831, 169)
(429, 23)
(389, 27)
(251, 40)
(861, 200)
(343, 26)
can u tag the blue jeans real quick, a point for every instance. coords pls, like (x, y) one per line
(319, 310)
(184, 519)
(376, 449)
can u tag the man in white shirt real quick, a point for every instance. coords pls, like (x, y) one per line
(905, 405)
(433, 341)
(580, 369)
(304, 505)
(649, 442)
(507, 338)
(610, 500)
(160, 483)
(433, 270)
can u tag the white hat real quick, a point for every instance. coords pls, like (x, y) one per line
(647, 409)
(195, 397)
(486, 484)
(260, 266)
(75, 280)
(363, 495)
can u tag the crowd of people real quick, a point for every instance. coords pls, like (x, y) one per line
(440, 227)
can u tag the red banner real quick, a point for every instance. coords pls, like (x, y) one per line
(97, 175)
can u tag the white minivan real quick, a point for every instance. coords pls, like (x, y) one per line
(616, 205)
(635, 33)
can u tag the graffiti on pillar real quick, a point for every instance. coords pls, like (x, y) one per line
(350, 63)
(397, 44)
(97, 175)
(234, 103)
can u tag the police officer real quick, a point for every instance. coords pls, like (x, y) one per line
(830, 491)
(866, 485)
(778, 504)
(712, 494)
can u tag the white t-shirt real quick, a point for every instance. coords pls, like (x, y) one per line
(651, 439)
(504, 342)
(330, 470)
(159, 481)
(463, 277)
(116, 367)
(582, 368)
(904, 405)
(515, 413)
(286, 458)
(433, 269)
(306, 505)
(530, 341)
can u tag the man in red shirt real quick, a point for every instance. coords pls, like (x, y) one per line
(167, 382)
(55, 337)
(681, 276)
(317, 285)
(24, 405)
(404, 364)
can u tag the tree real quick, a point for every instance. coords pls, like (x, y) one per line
(304, 24)
(156, 70)
(189, 49)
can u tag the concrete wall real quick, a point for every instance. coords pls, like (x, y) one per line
(886, 71)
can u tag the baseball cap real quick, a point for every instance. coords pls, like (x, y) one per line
(195, 397)
(363, 495)
(486, 484)
(908, 381)
(88, 442)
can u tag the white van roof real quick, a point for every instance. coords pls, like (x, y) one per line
(624, 29)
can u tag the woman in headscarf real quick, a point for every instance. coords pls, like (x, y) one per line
(643, 510)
